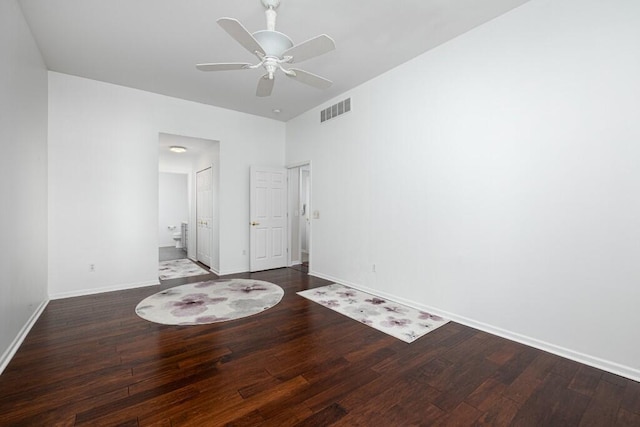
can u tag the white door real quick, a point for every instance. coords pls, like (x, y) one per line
(268, 216)
(204, 215)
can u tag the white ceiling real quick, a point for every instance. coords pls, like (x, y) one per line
(195, 146)
(153, 45)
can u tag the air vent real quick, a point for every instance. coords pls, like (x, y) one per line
(335, 110)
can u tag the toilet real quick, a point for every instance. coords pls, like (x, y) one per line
(177, 237)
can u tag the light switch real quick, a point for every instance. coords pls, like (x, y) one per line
(316, 214)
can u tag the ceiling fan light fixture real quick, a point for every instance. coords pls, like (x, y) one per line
(270, 4)
(273, 49)
(177, 149)
(274, 43)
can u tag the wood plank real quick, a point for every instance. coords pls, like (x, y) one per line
(604, 406)
(485, 395)
(562, 406)
(329, 415)
(631, 397)
(586, 380)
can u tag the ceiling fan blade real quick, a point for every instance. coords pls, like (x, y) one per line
(310, 79)
(223, 66)
(236, 30)
(311, 48)
(265, 86)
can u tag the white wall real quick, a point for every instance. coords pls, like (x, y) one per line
(23, 179)
(173, 205)
(495, 179)
(103, 179)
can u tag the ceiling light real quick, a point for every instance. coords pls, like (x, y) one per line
(177, 149)
(276, 111)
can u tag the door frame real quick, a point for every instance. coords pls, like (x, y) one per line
(268, 220)
(291, 213)
(210, 234)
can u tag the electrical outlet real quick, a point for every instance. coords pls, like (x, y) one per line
(244, 252)
(92, 267)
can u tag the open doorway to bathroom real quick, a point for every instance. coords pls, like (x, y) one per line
(173, 215)
(300, 217)
(180, 159)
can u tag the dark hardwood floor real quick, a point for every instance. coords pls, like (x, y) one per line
(92, 361)
(303, 267)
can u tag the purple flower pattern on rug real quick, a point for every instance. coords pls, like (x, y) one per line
(427, 316)
(192, 304)
(364, 310)
(393, 322)
(330, 303)
(347, 294)
(210, 319)
(395, 309)
(247, 289)
(403, 322)
(209, 302)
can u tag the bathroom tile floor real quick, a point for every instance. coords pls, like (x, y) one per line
(170, 253)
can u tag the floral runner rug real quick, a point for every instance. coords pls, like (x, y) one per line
(209, 302)
(177, 268)
(402, 322)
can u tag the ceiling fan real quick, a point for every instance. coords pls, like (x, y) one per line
(273, 49)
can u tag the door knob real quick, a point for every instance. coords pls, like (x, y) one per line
(255, 223)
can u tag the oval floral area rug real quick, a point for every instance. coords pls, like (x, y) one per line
(209, 302)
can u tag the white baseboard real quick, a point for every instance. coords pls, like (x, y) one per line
(15, 345)
(84, 292)
(228, 272)
(596, 362)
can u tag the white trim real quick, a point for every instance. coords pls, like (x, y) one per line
(84, 292)
(214, 271)
(270, 221)
(596, 362)
(290, 215)
(17, 342)
(211, 230)
(228, 272)
(298, 164)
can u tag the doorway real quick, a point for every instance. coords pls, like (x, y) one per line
(204, 215)
(300, 216)
(173, 214)
(197, 155)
